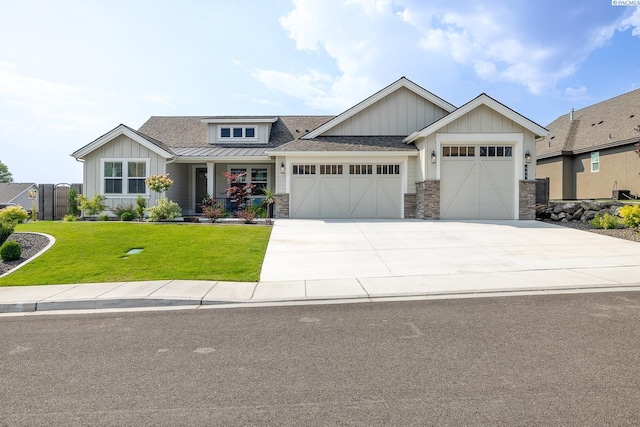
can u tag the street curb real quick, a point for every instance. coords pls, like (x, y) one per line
(127, 303)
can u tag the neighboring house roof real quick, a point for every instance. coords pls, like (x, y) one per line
(147, 141)
(402, 82)
(11, 191)
(606, 124)
(482, 99)
(346, 144)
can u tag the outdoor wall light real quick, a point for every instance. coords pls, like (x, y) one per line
(282, 168)
(433, 157)
(527, 157)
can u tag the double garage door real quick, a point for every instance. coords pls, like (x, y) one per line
(345, 191)
(477, 182)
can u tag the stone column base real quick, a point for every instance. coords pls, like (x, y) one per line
(409, 206)
(527, 200)
(428, 199)
(282, 206)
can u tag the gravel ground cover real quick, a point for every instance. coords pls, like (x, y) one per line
(31, 244)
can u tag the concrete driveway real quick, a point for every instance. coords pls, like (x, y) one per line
(447, 254)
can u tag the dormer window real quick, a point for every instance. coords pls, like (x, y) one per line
(237, 132)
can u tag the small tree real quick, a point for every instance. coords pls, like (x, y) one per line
(73, 207)
(269, 199)
(141, 207)
(237, 188)
(159, 183)
(5, 175)
(94, 206)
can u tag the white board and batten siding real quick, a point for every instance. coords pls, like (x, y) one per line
(399, 113)
(479, 186)
(120, 148)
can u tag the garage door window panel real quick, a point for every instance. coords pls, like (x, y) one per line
(304, 169)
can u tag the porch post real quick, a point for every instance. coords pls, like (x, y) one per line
(211, 179)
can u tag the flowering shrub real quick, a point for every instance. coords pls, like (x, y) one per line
(164, 210)
(15, 214)
(159, 183)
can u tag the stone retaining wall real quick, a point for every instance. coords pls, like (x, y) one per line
(582, 211)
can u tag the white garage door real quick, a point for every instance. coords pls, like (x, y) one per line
(477, 182)
(345, 191)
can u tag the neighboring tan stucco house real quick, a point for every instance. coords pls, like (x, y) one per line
(401, 153)
(590, 153)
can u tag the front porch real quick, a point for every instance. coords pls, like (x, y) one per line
(194, 182)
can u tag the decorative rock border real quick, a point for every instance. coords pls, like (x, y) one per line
(582, 211)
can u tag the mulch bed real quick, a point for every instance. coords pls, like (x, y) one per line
(31, 244)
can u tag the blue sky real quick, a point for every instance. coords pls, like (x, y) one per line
(71, 71)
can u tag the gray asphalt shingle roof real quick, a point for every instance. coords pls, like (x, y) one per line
(9, 191)
(348, 143)
(606, 124)
(187, 136)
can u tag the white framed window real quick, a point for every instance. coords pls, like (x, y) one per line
(388, 169)
(237, 133)
(595, 161)
(496, 151)
(330, 169)
(124, 176)
(304, 169)
(256, 175)
(458, 151)
(360, 169)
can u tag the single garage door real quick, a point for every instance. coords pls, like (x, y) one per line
(345, 191)
(477, 182)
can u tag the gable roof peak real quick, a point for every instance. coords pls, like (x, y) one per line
(402, 82)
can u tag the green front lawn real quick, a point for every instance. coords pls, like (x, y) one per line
(90, 252)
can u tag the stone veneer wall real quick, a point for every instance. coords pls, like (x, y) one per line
(527, 195)
(428, 199)
(282, 206)
(409, 206)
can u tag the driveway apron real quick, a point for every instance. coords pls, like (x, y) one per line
(342, 249)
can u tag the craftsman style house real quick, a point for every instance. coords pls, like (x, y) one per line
(590, 153)
(401, 153)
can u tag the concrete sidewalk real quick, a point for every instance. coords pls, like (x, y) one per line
(203, 293)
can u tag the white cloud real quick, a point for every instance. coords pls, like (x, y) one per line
(495, 41)
(575, 93)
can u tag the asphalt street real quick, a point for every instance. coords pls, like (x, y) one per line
(569, 360)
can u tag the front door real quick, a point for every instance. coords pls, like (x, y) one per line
(201, 188)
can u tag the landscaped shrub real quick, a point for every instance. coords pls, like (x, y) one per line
(630, 215)
(606, 221)
(73, 207)
(6, 230)
(103, 217)
(127, 216)
(15, 214)
(126, 212)
(93, 206)
(247, 216)
(141, 206)
(69, 218)
(164, 210)
(10, 251)
(259, 211)
(213, 211)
